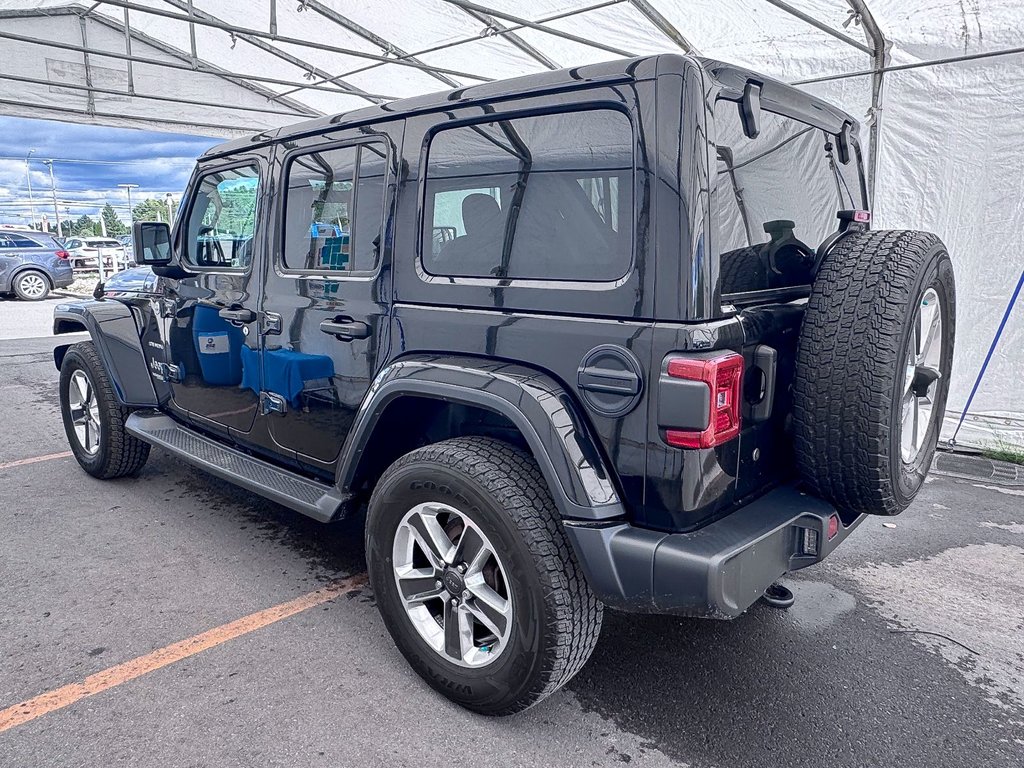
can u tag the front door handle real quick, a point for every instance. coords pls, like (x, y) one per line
(237, 316)
(345, 328)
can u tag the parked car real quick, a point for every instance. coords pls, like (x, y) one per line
(32, 264)
(86, 252)
(619, 335)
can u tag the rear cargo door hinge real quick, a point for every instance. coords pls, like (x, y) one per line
(170, 373)
(271, 402)
(270, 322)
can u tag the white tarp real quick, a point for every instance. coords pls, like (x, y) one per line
(949, 150)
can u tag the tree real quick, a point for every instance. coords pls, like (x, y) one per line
(84, 226)
(114, 225)
(151, 209)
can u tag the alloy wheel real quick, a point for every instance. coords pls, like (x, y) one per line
(85, 412)
(32, 285)
(921, 376)
(452, 584)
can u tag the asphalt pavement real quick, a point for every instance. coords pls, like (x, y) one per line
(905, 648)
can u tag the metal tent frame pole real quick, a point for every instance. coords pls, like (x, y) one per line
(203, 19)
(880, 55)
(495, 32)
(385, 45)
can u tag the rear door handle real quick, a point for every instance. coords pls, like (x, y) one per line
(237, 316)
(345, 328)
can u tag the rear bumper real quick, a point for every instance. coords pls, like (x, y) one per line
(717, 571)
(63, 278)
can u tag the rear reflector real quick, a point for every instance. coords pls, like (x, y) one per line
(62, 255)
(833, 527)
(722, 375)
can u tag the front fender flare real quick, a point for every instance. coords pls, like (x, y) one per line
(116, 337)
(535, 403)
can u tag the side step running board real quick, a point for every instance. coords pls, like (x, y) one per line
(318, 500)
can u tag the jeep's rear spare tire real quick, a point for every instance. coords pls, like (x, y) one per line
(872, 371)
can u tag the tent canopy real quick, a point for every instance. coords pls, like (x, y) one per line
(937, 82)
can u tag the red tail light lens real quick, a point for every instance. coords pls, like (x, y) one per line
(62, 255)
(723, 375)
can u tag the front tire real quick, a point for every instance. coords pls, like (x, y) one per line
(31, 285)
(94, 419)
(524, 621)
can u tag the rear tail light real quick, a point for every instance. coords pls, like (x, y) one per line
(62, 255)
(722, 375)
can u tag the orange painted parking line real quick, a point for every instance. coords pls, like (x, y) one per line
(43, 704)
(34, 459)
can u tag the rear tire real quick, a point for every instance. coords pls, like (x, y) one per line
(31, 285)
(554, 617)
(859, 367)
(94, 419)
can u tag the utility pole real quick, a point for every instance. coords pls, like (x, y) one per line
(53, 190)
(131, 211)
(31, 202)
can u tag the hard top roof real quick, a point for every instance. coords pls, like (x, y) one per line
(729, 77)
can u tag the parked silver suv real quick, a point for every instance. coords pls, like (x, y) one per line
(32, 264)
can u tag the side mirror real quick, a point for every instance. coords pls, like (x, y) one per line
(750, 109)
(152, 243)
(844, 142)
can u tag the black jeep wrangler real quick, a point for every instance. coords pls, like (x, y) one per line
(618, 335)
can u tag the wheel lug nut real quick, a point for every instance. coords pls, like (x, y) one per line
(437, 584)
(461, 567)
(455, 601)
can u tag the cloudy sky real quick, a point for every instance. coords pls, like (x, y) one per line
(157, 162)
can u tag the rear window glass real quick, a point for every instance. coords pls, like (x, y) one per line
(334, 209)
(775, 198)
(547, 197)
(10, 240)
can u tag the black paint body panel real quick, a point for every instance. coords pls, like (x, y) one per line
(515, 347)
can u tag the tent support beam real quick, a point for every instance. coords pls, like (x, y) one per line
(663, 25)
(90, 97)
(238, 78)
(880, 56)
(203, 19)
(62, 112)
(512, 37)
(820, 25)
(385, 45)
(241, 82)
(128, 50)
(92, 89)
(539, 26)
(462, 41)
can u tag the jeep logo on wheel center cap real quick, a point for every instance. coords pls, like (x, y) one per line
(453, 583)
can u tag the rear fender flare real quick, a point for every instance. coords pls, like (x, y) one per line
(535, 403)
(116, 337)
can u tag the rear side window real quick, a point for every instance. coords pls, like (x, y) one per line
(17, 241)
(334, 209)
(547, 197)
(221, 227)
(775, 199)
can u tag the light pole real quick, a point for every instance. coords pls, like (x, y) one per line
(31, 202)
(131, 212)
(170, 208)
(53, 190)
